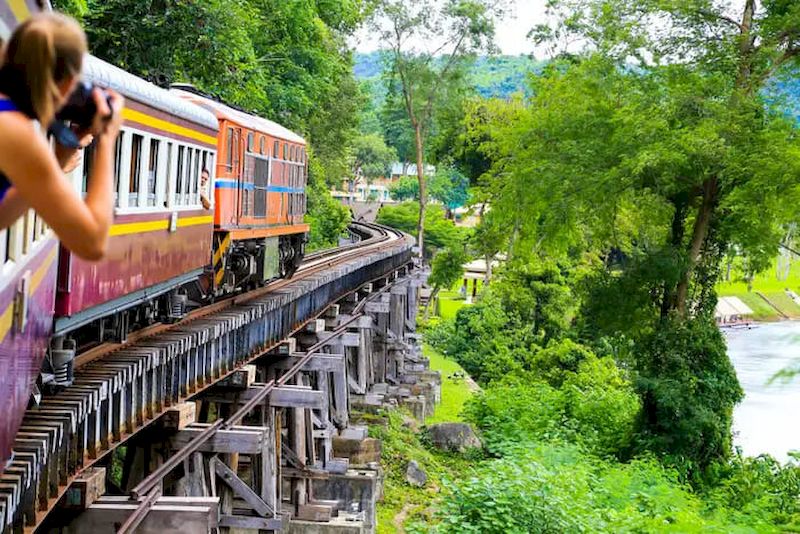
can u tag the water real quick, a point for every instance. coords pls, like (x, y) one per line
(766, 420)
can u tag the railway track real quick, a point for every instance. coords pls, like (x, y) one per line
(120, 389)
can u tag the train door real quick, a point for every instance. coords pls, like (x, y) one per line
(235, 162)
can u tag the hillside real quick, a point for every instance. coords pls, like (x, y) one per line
(499, 76)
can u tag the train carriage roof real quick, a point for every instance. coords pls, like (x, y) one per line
(223, 111)
(130, 86)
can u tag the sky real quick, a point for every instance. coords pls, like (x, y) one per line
(510, 32)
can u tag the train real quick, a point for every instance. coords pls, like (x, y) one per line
(169, 250)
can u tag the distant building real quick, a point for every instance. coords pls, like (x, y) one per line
(358, 190)
(731, 310)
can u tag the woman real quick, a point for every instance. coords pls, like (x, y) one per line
(41, 66)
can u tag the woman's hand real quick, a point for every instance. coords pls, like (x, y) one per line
(108, 119)
(70, 158)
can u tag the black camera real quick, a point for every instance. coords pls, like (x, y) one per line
(78, 112)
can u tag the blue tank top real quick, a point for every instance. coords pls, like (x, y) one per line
(5, 185)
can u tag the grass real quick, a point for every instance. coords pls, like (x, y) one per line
(761, 310)
(767, 283)
(455, 389)
(404, 504)
(784, 303)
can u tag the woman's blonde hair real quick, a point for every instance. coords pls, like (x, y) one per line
(43, 51)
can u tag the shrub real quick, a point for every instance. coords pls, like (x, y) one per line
(593, 405)
(688, 388)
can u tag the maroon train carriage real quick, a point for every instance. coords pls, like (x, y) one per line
(160, 244)
(28, 253)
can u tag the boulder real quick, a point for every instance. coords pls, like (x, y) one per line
(415, 475)
(458, 437)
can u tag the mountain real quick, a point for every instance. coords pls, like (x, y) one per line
(496, 76)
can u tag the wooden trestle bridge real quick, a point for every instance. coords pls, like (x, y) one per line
(237, 418)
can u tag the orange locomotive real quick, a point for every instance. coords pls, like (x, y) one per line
(259, 197)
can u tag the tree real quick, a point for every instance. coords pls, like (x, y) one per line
(454, 30)
(447, 268)
(439, 233)
(406, 188)
(287, 61)
(372, 159)
(488, 240)
(717, 151)
(449, 187)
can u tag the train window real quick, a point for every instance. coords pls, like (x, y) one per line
(4, 237)
(196, 178)
(262, 143)
(187, 179)
(250, 141)
(117, 166)
(285, 151)
(230, 148)
(136, 169)
(276, 150)
(179, 184)
(28, 234)
(88, 161)
(152, 172)
(165, 189)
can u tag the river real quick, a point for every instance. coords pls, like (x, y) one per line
(766, 421)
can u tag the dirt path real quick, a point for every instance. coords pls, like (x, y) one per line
(400, 519)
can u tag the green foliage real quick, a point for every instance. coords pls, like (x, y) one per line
(688, 389)
(372, 159)
(399, 445)
(406, 188)
(759, 488)
(549, 488)
(439, 232)
(593, 404)
(449, 187)
(527, 309)
(447, 267)
(327, 217)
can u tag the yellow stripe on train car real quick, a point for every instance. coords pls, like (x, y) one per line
(154, 226)
(7, 318)
(143, 118)
(20, 9)
(223, 246)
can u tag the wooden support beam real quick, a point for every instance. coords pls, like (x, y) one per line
(296, 397)
(86, 489)
(241, 378)
(314, 512)
(319, 362)
(169, 514)
(180, 416)
(251, 523)
(241, 489)
(239, 439)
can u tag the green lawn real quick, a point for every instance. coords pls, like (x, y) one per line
(768, 284)
(455, 391)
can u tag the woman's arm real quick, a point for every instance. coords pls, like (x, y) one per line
(26, 159)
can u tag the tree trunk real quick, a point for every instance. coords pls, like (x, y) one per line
(676, 239)
(701, 225)
(431, 299)
(423, 200)
(488, 278)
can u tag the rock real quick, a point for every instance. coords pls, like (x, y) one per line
(458, 437)
(410, 423)
(415, 475)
